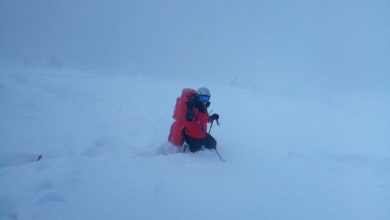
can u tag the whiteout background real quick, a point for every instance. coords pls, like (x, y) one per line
(301, 87)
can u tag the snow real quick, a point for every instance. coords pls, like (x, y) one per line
(105, 155)
(301, 87)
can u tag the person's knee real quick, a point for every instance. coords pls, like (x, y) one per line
(195, 148)
(211, 143)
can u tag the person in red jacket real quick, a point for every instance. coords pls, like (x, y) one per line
(195, 130)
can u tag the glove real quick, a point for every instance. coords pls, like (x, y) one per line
(213, 117)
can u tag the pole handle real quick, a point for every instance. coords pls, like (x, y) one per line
(211, 126)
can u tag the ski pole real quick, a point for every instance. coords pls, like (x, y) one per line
(211, 126)
(219, 154)
(215, 147)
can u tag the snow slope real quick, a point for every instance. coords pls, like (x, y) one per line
(105, 156)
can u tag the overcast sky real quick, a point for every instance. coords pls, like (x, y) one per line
(325, 40)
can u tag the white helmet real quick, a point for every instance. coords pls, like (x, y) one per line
(203, 91)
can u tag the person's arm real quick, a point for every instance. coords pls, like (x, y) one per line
(190, 109)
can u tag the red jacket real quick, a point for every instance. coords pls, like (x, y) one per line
(190, 117)
(196, 126)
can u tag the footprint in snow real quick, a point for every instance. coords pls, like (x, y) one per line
(7, 209)
(43, 185)
(49, 197)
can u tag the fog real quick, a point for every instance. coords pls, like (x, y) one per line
(330, 44)
(88, 89)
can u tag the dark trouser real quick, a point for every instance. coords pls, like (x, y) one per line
(196, 144)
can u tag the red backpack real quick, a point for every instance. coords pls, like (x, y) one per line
(176, 132)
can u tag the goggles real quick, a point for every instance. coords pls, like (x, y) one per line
(204, 98)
